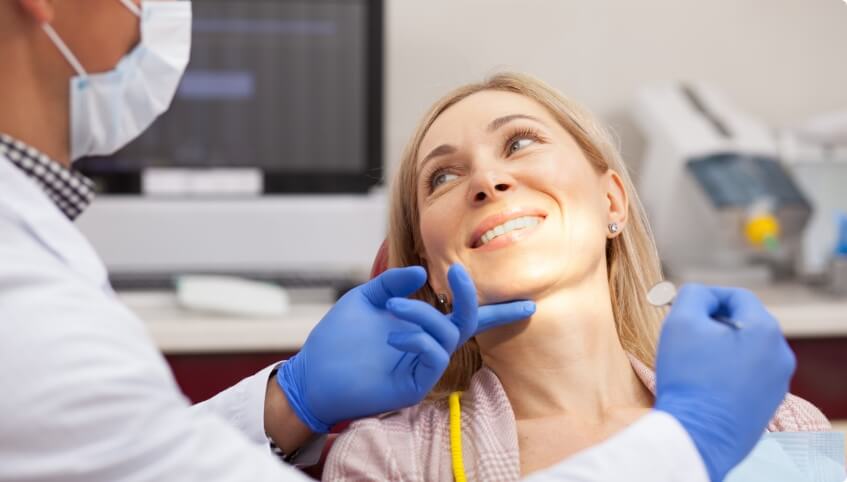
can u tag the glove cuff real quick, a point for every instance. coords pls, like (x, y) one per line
(289, 382)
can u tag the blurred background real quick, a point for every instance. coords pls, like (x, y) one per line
(234, 223)
(781, 61)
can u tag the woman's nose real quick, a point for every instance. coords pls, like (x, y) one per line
(489, 186)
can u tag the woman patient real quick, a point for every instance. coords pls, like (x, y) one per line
(529, 193)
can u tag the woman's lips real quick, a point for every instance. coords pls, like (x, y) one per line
(508, 238)
(493, 221)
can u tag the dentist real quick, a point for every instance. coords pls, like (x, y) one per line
(86, 396)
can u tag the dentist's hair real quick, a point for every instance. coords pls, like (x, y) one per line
(632, 261)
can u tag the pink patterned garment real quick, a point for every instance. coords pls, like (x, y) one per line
(414, 444)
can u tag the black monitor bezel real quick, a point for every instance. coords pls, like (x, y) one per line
(130, 183)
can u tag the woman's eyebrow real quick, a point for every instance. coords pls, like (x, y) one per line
(501, 121)
(497, 123)
(441, 150)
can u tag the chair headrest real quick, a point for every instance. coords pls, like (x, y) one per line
(380, 263)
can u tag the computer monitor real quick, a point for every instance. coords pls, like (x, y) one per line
(270, 157)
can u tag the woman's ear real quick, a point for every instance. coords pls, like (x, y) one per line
(41, 11)
(432, 281)
(425, 265)
(617, 202)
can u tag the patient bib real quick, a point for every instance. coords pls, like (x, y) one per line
(793, 457)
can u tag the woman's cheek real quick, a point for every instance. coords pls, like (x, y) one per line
(435, 232)
(557, 176)
(435, 244)
(442, 217)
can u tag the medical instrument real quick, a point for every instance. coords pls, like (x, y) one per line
(663, 293)
(815, 151)
(232, 296)
(456, 437)
(838, 264)
(723, 207)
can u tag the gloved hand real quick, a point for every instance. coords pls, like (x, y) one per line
(723, 384)
(376, 351)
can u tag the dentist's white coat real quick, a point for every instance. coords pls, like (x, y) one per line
(86, 396)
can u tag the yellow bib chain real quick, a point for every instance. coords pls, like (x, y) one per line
(456, 437)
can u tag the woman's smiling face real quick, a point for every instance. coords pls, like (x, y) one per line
(505, 190)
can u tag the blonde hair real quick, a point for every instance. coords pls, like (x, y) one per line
(632, 260)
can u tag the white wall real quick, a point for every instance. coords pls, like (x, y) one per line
(782, 60)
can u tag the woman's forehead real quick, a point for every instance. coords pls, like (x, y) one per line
(476, 112)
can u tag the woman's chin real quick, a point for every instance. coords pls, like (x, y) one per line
(526, 281)
(529, 277)
(502, 293)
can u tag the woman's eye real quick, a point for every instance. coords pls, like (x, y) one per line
(519, 144)
(441, 178)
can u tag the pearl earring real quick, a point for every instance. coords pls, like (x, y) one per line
(444, 302)
(614, 228)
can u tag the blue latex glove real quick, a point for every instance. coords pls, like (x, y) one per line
(376, 351)
(723, 384)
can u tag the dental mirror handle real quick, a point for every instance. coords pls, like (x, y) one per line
(663, 293)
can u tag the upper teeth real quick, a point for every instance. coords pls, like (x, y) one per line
(508, 226)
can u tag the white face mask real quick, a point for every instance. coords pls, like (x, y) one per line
(110, 109)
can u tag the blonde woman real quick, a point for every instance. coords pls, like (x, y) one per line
(528, 192)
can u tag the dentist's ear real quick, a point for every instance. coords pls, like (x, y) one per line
(617, 202)
(41, 11)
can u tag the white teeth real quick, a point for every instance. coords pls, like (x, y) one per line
(509, 226)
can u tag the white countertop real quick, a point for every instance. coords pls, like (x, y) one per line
(806, 313)
(802, 313)
(176, 330)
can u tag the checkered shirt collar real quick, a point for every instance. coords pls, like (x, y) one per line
(69, 190)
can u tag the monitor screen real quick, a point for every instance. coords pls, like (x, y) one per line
(733, 180)
(288, 88)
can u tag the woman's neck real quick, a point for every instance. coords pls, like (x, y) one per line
(567, 359)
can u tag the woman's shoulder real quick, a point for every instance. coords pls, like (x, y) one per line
(413, 423)
(793, 415)
(384, 447)
(798, 415)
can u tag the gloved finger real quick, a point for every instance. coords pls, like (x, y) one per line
(694, 303)
(741, 305)
(428, 318)
(429, 361)
(492, 316)
(465, 304)
(430, 353)
(395, 282)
